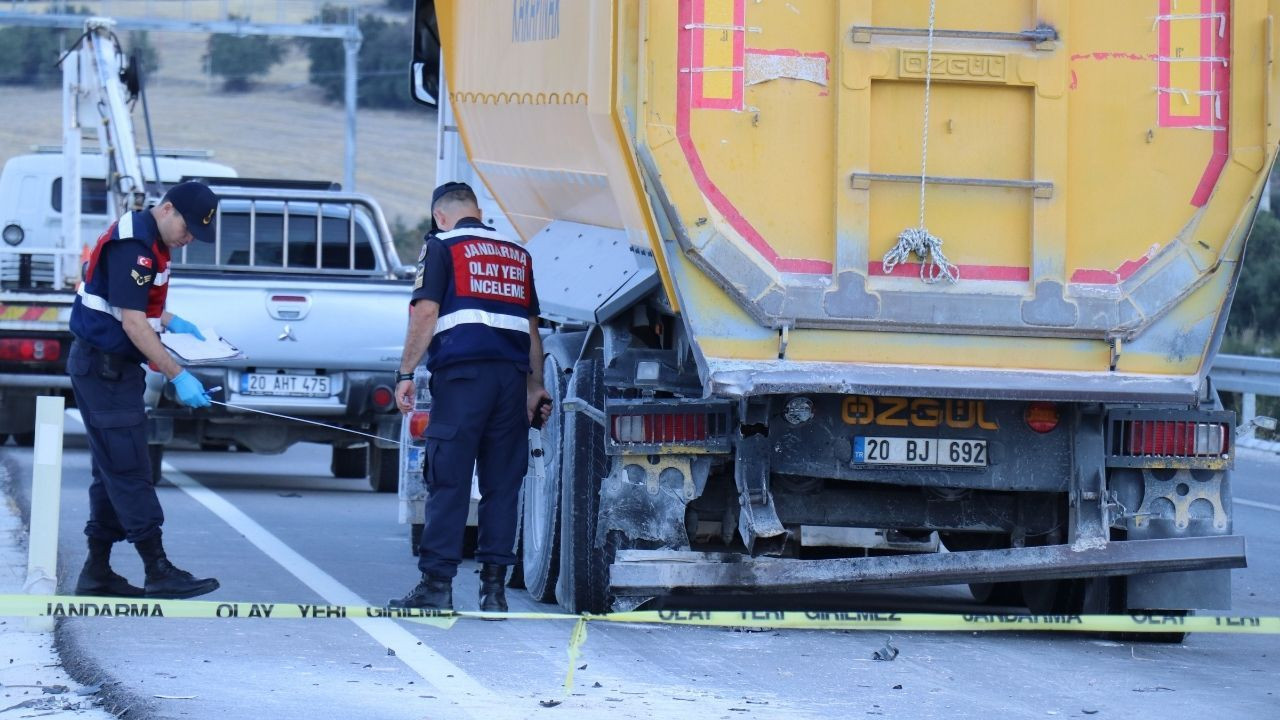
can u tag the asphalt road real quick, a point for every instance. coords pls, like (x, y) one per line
(279, 529)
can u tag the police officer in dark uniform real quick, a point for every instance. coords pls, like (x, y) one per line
(475, 313)
(118, 312)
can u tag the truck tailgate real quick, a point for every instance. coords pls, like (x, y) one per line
(280, 322)
(1092, 171)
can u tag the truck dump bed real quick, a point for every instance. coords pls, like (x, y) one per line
(1093, 168)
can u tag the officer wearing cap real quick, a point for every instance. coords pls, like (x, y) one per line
(118, 312)
(475, 314)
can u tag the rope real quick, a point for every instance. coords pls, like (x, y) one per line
(919, 240)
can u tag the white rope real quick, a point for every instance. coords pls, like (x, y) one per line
(918, 240)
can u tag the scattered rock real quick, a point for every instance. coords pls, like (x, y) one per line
(54, 689)
(390, 651)
(583, 666)
(548, 703)
(1089, 712)
(596, 684)
(897, 687)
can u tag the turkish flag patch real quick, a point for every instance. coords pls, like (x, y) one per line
(144, 261)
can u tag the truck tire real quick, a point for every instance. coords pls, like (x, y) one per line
(1003, 593)
(384, 469)
(349, 462)
(540, 499)
(584, 565)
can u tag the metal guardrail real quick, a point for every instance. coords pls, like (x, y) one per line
(1252, 376)
(1246, 374)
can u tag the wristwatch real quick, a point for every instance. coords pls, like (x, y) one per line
(401, 377)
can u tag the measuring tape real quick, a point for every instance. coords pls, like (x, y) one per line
(295, 419)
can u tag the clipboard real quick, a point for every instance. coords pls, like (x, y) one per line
(191, 350)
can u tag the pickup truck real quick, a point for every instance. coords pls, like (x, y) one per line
(39, 269)
(306, 283)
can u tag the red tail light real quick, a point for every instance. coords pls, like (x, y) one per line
(668, 428)
(383, 397)
(418, 422)
(1041, 416)
(30, 350)
(1176, 439)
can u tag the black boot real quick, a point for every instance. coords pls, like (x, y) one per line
(493, 596)
(431, 593)
(166, 581)
(97, 577)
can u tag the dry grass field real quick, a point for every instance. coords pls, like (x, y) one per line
(283, 128)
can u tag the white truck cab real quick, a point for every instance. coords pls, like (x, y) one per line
(31, 209)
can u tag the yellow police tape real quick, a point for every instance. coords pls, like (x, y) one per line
(57, 606)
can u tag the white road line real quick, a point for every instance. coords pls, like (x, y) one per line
(1255, 503)
(471, 696)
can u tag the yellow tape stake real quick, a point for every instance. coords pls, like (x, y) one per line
(576, 639)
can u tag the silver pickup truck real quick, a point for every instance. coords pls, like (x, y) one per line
(308, 286)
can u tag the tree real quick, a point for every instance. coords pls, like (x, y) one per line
(239, 59)
(138, 45)
(382, 64)
(29, 55)
(1256, 308)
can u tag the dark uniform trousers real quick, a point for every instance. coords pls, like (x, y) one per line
(478, 418)
(122, 499)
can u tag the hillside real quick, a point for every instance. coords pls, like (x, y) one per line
(281, 129)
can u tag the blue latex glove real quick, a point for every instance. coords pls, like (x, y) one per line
(178, 325)
(190, 392)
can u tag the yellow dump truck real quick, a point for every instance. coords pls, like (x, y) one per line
(873, 293)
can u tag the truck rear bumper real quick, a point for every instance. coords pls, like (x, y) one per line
(734, 379)
(659, 572)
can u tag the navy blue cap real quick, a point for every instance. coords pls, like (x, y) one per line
(440, 192)
(198, 206)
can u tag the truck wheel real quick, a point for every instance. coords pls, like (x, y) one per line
(1004, 593)
(384, 469)
(584, 566)
(540, 498)
(349, 462)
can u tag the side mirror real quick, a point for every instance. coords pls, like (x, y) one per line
(424, 70)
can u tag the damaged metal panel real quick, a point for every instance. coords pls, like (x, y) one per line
(639, 572)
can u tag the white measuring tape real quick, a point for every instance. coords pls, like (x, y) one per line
(288, 417)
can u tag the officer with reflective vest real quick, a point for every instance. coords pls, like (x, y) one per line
(475, 314)
(118, 312)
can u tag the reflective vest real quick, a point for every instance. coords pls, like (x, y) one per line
(94, 318)
(485, 312)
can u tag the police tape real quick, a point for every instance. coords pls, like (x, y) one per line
(56, 606)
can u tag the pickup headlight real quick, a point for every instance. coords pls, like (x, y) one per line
(13, 234)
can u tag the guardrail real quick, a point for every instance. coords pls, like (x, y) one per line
(1252, 376)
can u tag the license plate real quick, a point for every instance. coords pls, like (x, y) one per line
(919, 451)
(285, 385)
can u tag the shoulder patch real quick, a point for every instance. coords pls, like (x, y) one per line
(144, 261)
(139, 277)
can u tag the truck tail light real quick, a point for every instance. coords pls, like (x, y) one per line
(1170, 438)
(1041, 416)
(418, 422)
(663, 428)
(30, 350)
(383, 397)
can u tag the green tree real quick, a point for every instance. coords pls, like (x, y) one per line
(237, 60)
(138, 45)
(1256, 308)
(408, 239)
(382, 65)
(29, 55)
